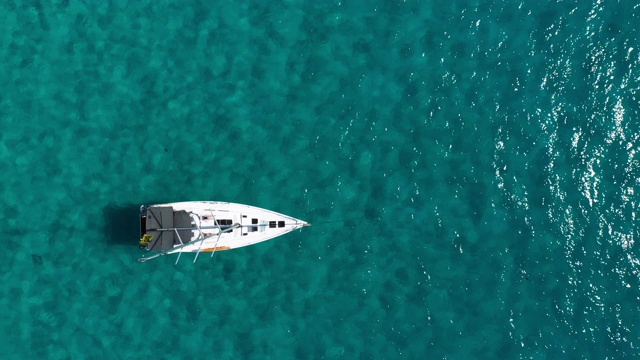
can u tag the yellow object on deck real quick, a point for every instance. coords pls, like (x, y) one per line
(146, 239)
(219, 248)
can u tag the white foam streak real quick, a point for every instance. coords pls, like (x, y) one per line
(618, 117)
(589, 182)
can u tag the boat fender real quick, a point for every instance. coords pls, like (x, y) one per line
(146, 239)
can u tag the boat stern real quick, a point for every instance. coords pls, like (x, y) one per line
(143, 226)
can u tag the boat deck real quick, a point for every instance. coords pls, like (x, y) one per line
(213, 225)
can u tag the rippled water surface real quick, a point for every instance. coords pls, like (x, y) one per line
(471, 169)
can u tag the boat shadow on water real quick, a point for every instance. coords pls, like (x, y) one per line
(121, 224)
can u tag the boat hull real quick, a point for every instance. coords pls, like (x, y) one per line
(209, 226)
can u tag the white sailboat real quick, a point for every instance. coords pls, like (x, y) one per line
(208, 226)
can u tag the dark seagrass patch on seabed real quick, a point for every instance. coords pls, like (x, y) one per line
(37, 259)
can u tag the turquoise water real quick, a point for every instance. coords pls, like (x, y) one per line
(471, 169)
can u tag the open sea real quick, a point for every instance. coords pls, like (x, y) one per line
(471, 167)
